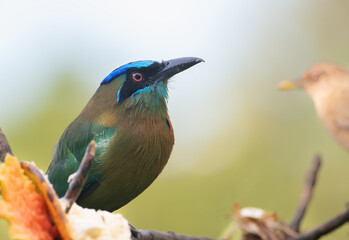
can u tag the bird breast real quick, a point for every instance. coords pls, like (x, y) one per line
(333, 109)
(137, 154)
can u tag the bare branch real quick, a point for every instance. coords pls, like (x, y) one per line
(250, 237)
(154, 235)
(76, 185)
(4, 146)
(306, 193)
(325, 228)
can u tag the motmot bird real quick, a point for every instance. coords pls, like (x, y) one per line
(127, 118)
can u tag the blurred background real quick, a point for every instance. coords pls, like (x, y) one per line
(237, 138)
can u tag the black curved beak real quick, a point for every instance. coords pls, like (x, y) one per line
(177, 65)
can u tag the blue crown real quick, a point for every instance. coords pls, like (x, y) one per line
(117, 72)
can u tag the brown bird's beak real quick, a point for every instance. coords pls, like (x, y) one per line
(288, 85)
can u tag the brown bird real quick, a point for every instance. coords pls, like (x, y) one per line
(328, 85)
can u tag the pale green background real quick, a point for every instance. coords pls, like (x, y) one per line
(237, 138)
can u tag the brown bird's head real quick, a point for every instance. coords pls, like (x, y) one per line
(321, 81)
(328, 85)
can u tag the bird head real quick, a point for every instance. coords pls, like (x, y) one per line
(144, 83)
(319, 81)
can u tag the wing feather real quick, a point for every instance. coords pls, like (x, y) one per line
(70, 151)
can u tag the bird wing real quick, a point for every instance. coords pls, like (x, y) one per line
(339, 112)
(70, 151)
(342, 123)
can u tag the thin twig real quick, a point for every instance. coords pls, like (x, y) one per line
(4, 146)
(76, 185)
(249, 236)
(325, 228)
(306, 193)
(154, 235)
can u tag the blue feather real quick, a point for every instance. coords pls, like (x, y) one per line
(160, 90)
(141, 90)
(123, 69)
(118, 96)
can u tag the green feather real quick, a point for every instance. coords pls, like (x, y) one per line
(70, 151)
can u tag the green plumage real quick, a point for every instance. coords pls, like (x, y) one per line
(134, 139)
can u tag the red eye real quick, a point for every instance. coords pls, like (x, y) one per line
(137, 77)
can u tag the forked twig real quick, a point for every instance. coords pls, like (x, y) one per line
(307, 193)
(326, 227)
(80, 177)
